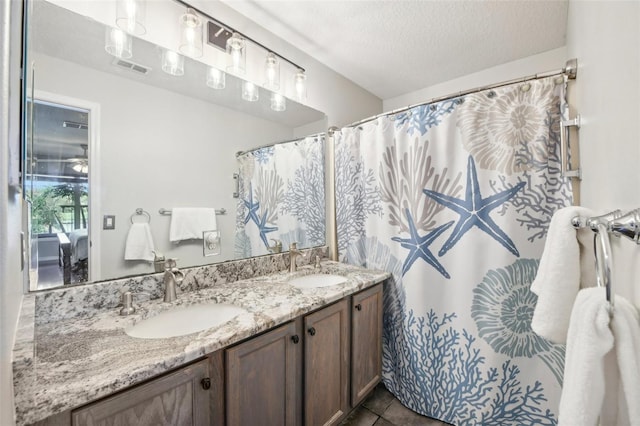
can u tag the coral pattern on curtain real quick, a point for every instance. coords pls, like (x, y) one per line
(454, 199)
(281, 197)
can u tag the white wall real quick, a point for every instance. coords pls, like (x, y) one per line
(10, 209)
(158, 149)
(546, 61)
(605, 37)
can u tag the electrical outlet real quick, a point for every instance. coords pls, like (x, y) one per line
(211, 243)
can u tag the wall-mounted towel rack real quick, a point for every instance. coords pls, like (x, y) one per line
(141, 212)
(167, 212)
(616, 223)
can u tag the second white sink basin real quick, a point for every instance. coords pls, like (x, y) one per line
(182, 321)
(317, 280)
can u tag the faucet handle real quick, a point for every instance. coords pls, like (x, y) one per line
(170, 263)
(293, 245)
(276, 247)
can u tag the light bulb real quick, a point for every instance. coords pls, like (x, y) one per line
(130, 16)
(172, 63)
(190, 34)
(215, 78)
(272, 72)
(236, 48)
(278, 102)
(117, 43)
(249, 91)
(300, 82)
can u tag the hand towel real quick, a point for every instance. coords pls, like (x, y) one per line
(189, 223)
(602, 363)
(588, 342)
(625, 325)
(139, 245)
(566, 265)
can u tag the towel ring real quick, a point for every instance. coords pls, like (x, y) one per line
(604, 260)
(141, 212)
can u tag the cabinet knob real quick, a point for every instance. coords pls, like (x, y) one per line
(295, 339)
(312, 331)
(359, 307)
(206, 383)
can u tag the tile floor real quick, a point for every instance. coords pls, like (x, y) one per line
(383, 409)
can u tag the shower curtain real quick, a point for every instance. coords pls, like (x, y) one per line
(281, 197)
(454, 199)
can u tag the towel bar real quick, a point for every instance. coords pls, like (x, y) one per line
(167, 212)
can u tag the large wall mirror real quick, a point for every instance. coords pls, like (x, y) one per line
(110, 142)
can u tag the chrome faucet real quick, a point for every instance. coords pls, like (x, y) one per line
(294, 253)
(172, 277)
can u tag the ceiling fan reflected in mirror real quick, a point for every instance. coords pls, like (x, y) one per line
(78, 164)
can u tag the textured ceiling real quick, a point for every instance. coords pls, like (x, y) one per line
(393, 47)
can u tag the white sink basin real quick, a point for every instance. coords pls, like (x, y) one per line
(317, 280)
(182, 321)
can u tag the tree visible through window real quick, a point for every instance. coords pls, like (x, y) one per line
(59, 207)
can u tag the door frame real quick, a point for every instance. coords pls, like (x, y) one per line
(94, 171)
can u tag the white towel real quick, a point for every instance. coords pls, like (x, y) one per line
(567, 264)
(626, 331)
(189, 223)
(590, 386)
(139, 245)
(588, 342)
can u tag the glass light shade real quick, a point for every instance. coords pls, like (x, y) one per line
(117, 43)
(300, 82)
(237, 51)
(81, 168)
(278, 102)
(215, 78)
(271, 72)
(131, 15)
(249, 91)
(172, 63)
(190, 34)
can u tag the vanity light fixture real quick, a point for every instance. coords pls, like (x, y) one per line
(190, 34)
(278, 102)
(130, 16)
(249, 91)
(300, 82)
(172, 63)
(237, 50)
(272, 72)
(215, 78)
(117, 43)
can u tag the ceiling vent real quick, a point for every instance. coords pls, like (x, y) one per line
(131, 66)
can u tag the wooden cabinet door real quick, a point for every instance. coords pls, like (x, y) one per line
(263, 378)
(326, 368)
(366, 342)
(176, 399)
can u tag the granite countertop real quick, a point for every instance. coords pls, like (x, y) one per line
(63, 364)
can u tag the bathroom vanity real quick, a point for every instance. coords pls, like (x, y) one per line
(296, 356)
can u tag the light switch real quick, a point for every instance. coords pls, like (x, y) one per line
(109, 222)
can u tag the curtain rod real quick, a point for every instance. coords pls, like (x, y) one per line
(315, 135)
(570, 69)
